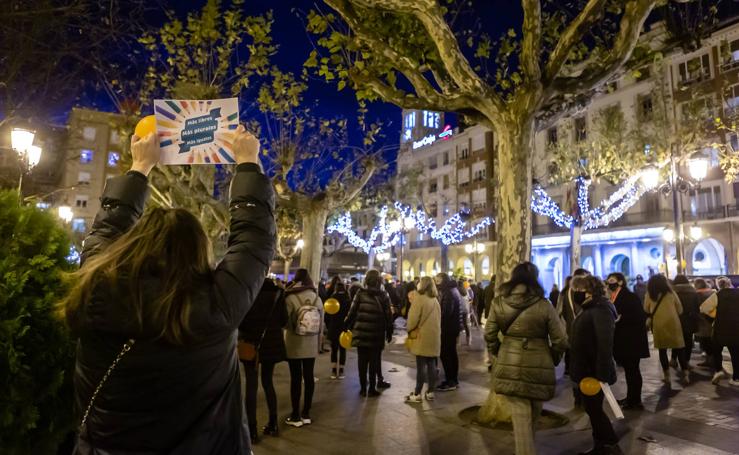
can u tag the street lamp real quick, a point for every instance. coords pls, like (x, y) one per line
(697, 169)
(65, 213)
(403, 225)
(22, 142)
(475, 249)
(382, 257)
(291, 252)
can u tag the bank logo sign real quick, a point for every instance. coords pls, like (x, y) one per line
(445, 135)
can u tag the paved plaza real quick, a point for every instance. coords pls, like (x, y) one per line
(698, 419)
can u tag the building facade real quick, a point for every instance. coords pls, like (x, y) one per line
(93, 154)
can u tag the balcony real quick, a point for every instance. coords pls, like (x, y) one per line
(712, 213)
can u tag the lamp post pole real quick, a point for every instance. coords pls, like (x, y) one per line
(677, 215)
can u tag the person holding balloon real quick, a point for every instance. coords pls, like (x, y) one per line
(335, 309)
(591, 361)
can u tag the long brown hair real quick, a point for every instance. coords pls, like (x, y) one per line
(167, 243)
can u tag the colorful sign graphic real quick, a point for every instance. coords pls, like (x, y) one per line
(196, 131)
(445, 135)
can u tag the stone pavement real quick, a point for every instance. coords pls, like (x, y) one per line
(697, 419)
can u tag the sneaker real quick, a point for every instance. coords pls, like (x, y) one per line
(383, 385)
(447, 387)
(270, 429)
(306, 419)
(429, 396)
(296, 422)
(734, 382)
(333, 373)
(341, 373)
(717, 377)
(413, 398)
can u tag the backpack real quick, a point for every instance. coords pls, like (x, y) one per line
(309, 319)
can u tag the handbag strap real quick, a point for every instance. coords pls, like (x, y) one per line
(651, 315)
(279, 295)
(126, 347)
(512, 320)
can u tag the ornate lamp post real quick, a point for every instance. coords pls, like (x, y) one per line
(22, 142)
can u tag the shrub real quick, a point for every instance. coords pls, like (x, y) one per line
(36, 353)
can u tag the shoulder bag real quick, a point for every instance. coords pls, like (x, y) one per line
(651, 315)
(248, 351)
(126, 347)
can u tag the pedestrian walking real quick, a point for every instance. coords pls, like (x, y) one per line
(261, 346)
(663, 310)
(554, 294)
(640, 288)
(465, 309)
(302, 333)
(688, 320)
(335, 325)
(724, 307)
(591, 348)
(630, 343)
(424, 338)
(370, 322)
(157, 369)
(705, 322)
(534, 339)
(451, 326)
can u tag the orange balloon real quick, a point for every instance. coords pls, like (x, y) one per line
(345, 339)
(332, 306)
(145, 126)
(589, 386)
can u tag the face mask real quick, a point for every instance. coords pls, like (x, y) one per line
(578, 297)
(613, 286)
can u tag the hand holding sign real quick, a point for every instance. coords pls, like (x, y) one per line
(245, 146)
(145, 153)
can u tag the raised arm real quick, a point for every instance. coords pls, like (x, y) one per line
(251, 242)
(123, 200)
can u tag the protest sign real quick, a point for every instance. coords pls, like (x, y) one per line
(196, 131)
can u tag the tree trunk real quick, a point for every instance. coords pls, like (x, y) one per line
(288, 263)
(314, 225)
(513, 225)
(576, 247)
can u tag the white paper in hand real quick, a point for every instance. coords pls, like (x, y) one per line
(615, 408)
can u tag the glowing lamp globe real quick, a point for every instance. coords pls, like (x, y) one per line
(145, 126)
(345, 339)
(589, 386)
(331, 306)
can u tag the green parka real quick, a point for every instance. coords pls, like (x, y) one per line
(524, 367)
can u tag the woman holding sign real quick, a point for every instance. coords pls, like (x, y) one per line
(157, 369)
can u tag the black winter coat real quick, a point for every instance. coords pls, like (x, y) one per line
(163, 398)
(268, 312)
(591, 343)
(335, 322)
(451, 311)
(369, 319)
(630, 336)
(691, 307)
(726, 325)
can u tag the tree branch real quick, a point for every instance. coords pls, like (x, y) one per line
(531, 45)
(598, 70)
(571, 36)
(345, 195)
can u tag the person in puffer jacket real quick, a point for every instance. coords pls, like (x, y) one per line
(370, 321)
(451, 325)
(147, 304)
(524, 369)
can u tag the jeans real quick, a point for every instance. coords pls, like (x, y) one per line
(603, 433)
(252, 384)
(368, 359)
(449, 359)
(338, 353)
(665, 361)
(718, 359)
(524, 413)
(301, 371)
(268, 369)
(425, 371)
(633, 379)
